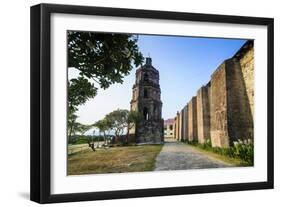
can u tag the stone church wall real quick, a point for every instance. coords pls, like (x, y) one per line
(180, 125)
(203, 114)
(218, 108)
(185, 123)
(192, 120)
(223, 110)
(247, 67)
(231, 118)
(174, 127)
(240, 117)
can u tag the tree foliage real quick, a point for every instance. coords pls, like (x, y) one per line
(133, 118)
(101, 59)
(79, 91)
(75, 127)
(83, 128)
(118, 120)
(104, 127)
(122, 119)
(71, 124)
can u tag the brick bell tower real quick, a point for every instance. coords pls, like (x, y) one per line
(146, 100)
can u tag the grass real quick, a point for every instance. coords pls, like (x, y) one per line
(114, 160)
(229, 160)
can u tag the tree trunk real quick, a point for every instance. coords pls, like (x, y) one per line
(121, 135)
(92, 145)
(127, 136)
(105, 139)
(113, 139)
(98, 146)
(70, 131)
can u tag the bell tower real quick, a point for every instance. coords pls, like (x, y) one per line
(147, 101)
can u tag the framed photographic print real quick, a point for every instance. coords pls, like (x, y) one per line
(132, 103)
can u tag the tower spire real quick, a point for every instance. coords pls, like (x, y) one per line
(148, 61)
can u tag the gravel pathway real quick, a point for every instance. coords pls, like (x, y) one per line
(179, 156)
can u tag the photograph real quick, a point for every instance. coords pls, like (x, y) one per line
(170, 102)
(149, 102)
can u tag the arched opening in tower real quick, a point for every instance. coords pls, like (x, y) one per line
(145, 113)
(145, 77)
(155, 110)
(145, 93)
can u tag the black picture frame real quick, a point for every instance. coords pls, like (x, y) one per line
(40, 102)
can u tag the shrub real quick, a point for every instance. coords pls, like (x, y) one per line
(84, 139)
(207, 145)
(243, 150)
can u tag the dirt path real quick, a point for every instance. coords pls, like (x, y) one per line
(179, 156)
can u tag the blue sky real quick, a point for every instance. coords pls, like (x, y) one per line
(184, 64)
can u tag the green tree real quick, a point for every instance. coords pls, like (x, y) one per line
(118, 120)
(104, 126)
(77, 127)
(79, 91)
(83, 128)
(133, 118)
(101, 59)
(71, 125)
(122, 119)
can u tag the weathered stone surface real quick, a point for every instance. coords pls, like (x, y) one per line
(240, 120)
(232, 101)
(224, 108)
(218, 108)
(246, 60)
(241, 95)
(185, 123)
(175, 128)
(178, 126)
(148, 132)
(203, 114)
(146, 100)
(192, 120)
